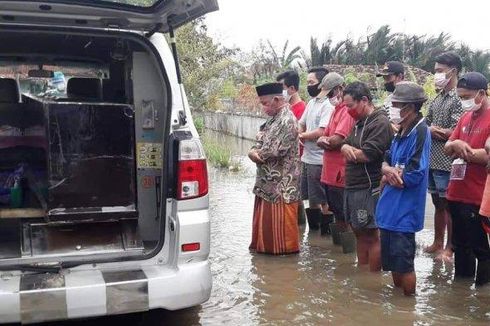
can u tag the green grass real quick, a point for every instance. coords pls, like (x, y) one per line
(199, 124)
(219, 156)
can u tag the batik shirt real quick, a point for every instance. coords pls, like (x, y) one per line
(444, 112)
(278, 143)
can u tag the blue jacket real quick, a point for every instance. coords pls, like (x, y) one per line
(403, 209)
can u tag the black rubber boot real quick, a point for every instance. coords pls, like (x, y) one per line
(301, 215)
(348, 241)
(482, 273)
(464, 263)
(335, 232)
(313, 216)
(325, 223)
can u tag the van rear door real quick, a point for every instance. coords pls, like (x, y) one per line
(140, 15)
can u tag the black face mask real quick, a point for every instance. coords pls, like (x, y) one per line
(390, 87)
(313, 90)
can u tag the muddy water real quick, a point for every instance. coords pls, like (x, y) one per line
(317, 287)
(320, 284)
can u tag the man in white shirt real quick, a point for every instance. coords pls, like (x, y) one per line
(311, 126)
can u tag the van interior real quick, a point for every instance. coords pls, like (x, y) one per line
(82, 119)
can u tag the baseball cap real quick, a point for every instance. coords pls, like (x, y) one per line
(391, 68)
(473, 81)
(330, 81)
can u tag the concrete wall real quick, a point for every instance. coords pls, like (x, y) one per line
(237, 125)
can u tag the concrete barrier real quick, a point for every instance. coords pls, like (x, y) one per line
(242, 126)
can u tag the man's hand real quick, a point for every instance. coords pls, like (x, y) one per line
(438, 133)
(254, 156)
(323, 142)
(461, 149)
(393, 176)
(349, 153)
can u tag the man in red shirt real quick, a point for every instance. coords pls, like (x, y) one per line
(290, 83)
(333, 171)
(467, 180)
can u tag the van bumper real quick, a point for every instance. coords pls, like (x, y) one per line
(32, 298)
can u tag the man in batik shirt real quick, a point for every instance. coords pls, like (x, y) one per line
(275, 228)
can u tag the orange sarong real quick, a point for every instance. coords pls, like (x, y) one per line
(275, 228)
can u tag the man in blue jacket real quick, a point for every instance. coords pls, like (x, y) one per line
(401, 208)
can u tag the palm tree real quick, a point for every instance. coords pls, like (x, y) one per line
(480, 61)
(286, 59)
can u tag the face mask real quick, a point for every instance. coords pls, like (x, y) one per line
(353, 113)
(395, 115)
(470, 105)
(313, 90)
(440, 80)
(334, 101)
(286, 96)
(390, 87)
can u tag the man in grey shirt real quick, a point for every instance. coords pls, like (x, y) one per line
(311, 126)
(442, 117)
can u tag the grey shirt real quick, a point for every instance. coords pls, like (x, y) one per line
(317, 115)
(444, 112)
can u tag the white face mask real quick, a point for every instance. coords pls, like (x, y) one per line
(395, 115)
(286, 96)
(335, 101)
(440, 80)
(470, 105)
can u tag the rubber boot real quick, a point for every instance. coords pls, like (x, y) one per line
(464, 263)
(348, 241)
(301, 215)
(325, 223)
(313, 216)
(482, 273)
(335, 231)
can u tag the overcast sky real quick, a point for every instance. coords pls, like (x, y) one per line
(244, 23)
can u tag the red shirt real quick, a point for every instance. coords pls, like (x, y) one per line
(298, 109)
(341, 124)
(473, 128)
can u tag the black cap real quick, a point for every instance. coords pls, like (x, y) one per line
(269, 89)
(473, 80)
(391, 68)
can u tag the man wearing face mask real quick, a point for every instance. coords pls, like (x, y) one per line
(401, 208)
(290, 83)
(364, 150)
(312, 126)
(468, 174)
(443, 115)
(275, 227)
(393, 72)
(333, 172)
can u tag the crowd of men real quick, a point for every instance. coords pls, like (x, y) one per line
(365, 171)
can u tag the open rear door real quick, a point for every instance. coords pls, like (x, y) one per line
(140, 15)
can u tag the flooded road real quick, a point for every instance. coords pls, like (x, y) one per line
(317, 287)
(320, 285)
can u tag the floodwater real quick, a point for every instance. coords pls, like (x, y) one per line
(316, 287)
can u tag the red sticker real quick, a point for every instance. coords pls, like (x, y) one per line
(148, 182)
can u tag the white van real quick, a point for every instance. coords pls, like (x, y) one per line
(103, 180)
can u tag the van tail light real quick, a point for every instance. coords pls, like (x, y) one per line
(192, 171)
